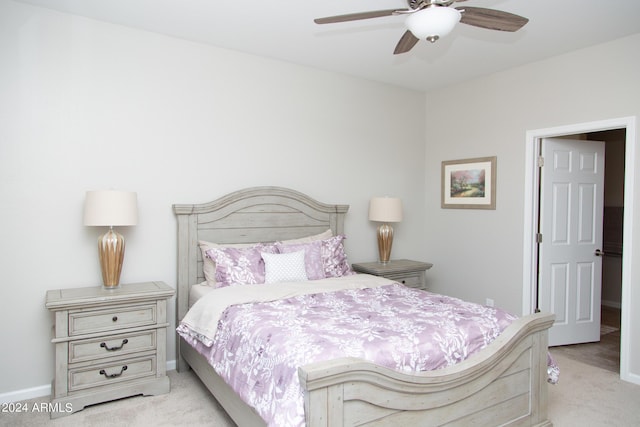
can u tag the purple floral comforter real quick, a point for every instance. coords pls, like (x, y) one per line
(258, 346)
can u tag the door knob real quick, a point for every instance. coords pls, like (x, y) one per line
(599, 252)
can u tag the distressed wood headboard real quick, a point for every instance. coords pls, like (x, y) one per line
(252, 215)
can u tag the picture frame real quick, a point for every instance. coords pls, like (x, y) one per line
(469, 183)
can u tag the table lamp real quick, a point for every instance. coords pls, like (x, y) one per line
(111, 208)
(385, 210)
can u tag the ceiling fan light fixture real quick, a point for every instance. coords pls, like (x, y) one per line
(432, 22)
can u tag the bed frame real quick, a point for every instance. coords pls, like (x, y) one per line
(505, 384)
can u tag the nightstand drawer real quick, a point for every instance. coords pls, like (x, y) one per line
(84, 322)
(112, 372)
(114, 345)
(410, 281)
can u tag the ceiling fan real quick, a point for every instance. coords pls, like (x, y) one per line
(433, 19)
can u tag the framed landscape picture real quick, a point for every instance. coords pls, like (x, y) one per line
(469, 183)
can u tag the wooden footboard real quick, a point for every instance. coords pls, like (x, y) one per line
(505, 384)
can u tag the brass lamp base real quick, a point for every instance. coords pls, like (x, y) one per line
(385, 240)
(111, 252)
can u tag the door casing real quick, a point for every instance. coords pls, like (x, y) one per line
(532, 184)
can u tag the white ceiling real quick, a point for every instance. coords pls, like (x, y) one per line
(284, 30)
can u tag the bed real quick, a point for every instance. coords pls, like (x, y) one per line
(503, 384)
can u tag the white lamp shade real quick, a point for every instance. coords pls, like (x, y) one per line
(385, 209)
(432, 22)
(110, 208)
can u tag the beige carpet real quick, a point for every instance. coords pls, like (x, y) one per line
(588, 396)
(585, 396)
(604, 353)
(188, 404)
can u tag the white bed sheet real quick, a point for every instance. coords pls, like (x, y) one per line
(198, 291)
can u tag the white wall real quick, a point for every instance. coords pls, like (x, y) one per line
(86, 105)
(478, 254)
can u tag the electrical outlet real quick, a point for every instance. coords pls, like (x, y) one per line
(489, 302)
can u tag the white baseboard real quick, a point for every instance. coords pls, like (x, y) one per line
(613, 304)
(25, 394)
(45, 390)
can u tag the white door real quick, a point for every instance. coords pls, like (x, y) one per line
(571, 210)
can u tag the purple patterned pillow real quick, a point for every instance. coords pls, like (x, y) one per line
(239, 266)
(312, 257)
(208, 265)
(334, 258)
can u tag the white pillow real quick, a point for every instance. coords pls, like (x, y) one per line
(284, 267)
(309, 239)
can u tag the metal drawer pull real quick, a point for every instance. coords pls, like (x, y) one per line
(103, 372)
(106, 347)
(114, 318)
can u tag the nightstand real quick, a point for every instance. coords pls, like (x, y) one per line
(408, 272)
(109, 344)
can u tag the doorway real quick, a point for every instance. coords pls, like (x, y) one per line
(600, 345)
(532, 185)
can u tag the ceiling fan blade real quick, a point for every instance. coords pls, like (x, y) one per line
(491, 19)
(406, 43)
(356, 16)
